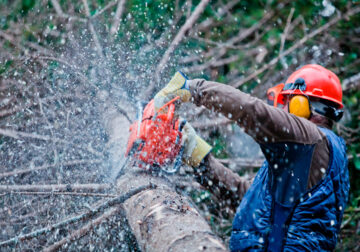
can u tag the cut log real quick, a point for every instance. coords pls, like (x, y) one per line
(163, 220)
(160, 218)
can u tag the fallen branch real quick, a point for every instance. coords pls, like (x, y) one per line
(117, 18)
(82, 231)
(179, 36)
(55, 187)
(73, 67)
(98, 46)
(39, 48)
(61, 14)
(9, 38)
(81, 217)
(284, 35)
(215, 62)
(14, 109)
(108, 6)
(335, 20)
(178, 13)
(352, 216)
(15, 208)
(243, 34)
(18, 134)
(213, 123)
(352, 210)
(221, 49)
(351, 156)
(44, 167)
(96, 40)
(103, 195)
(240, 163)
(204, 25)
(351, 82)
(24, 47)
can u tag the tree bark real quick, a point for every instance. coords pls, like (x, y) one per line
(160, 218)
(163, 220)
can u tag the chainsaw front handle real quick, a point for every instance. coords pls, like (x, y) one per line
(171, 110)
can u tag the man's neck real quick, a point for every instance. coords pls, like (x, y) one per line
(320, 121)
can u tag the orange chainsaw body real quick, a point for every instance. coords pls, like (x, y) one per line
(159, 140)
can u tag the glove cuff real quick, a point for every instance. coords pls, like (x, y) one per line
(201, 149)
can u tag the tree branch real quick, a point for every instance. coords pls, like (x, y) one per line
(82, 231)
(55, 187)
(243, 162)
(103, 195)
(215, 62)
(14, 109)
(61, 14)
(118, 200)
(221, 49)
(179, 36)
(204, 25)
(117, 18)
(44, 167)
(284, 35)
(351, 82)
(108, 6)
(247, 32)
(18, 134)
(213, 123)
(237, 83)
(74, 68)
(98, 46)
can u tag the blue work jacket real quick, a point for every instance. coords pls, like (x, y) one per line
(278, 213)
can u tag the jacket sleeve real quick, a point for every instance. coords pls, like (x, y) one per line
(221, 181)
(265, 123)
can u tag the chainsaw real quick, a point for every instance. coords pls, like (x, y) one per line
(155, 138)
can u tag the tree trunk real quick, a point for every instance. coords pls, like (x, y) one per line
(160, 218)
(163, 220)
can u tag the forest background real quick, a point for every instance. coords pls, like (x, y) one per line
(60, 58)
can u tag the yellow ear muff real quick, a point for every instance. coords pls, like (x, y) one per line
(299, 106)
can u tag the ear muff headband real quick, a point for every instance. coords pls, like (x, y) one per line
(299, 105)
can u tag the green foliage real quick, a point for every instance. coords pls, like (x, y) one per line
(5, 66)
(219, 144)
(27, 5)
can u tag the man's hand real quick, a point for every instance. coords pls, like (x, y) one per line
(176, 87)
(195, 148)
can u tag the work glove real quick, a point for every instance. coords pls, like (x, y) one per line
(177, 86)
(195, 148)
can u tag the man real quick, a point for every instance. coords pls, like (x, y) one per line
(298, 196)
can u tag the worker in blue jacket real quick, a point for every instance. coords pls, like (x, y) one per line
(297, 199)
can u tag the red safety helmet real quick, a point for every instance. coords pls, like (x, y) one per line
(314, 81)
(311, 81)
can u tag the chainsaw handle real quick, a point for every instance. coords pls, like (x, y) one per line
(171, 112)
(168, 103)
